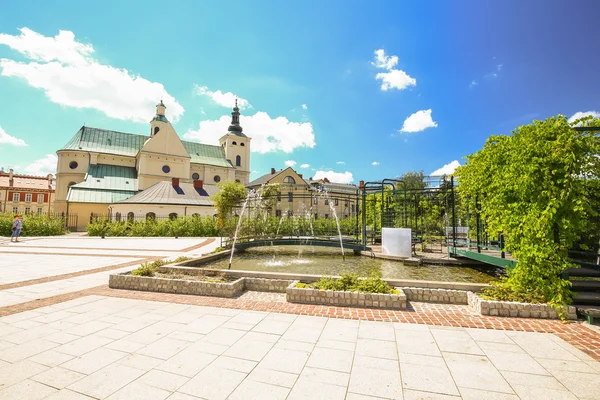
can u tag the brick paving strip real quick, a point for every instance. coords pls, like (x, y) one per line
(89, 271)
(587, 340)
(184, 250)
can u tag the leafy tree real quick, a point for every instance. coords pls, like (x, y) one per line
(230, 195)
(533, 187)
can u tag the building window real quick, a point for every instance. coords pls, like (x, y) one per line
(16, 197)
(290, 213)
(346, 203)
(217, 178)
(130, 216)
(337, 202)
(278, 196)
(118, 217)
(15, 210)
(195, 176)
(242, 144)
(27, 210)
(40, 198)
(173, 216)
(315, 201)
(278, 213)
(316, 215)
(166, 169)
(238, 181)
(40, 210)
(238, 161)
(73, 164)
(151, 216)
(156, 129)
(289, 180)
(290, 197)
(326, 216)
(233, 143)
(326, 202)
(28, 197)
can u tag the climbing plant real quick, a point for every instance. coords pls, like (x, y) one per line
(230, 195)
(533, 187)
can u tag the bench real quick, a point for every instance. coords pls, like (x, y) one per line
(590, 314)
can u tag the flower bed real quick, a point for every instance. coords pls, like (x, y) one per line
(345, 298)
(514, 309)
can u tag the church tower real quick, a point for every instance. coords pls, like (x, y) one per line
(236, 146)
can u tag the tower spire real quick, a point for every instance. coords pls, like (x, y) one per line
(235, 120)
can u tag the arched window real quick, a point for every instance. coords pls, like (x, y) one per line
(151, 216)
(289, 179)
(238, 161)
(130, 216)
(195, 176)
(156, 129)
(173, 216)
(238, 181)
(233, 143)
(217, 178)
(242, 144)
(73, 164)
(118, 217)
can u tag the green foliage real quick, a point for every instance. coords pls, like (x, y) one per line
(180, 259)
(145, 269)
(229, 196)
(302, 285)
(33, 225)
(352, 283)
(539, 188)
(183, 227)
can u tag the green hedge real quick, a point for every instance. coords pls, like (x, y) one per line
(183, 227)
(33, 225)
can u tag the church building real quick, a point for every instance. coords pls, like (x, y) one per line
(126, 175)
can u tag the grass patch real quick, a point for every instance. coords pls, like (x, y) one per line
(350, 282)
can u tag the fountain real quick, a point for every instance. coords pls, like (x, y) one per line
(337, 221)
(237, 228)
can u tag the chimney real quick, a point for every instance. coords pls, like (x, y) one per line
(362, 184)
(300, 175)
(198, 184)
(272, 171)
(10, 177)
(310, 179)
(325, 180)
(175, 182)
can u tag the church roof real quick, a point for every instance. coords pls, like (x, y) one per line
(128, 144)
(165, 193)
(105, 184)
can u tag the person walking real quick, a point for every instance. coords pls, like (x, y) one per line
(16, 228)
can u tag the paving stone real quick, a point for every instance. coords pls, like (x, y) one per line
(187, 336)
(249, 349)
(376, 348)
(57, 377)
(416, 342)
(292, 345)
(139, 391)
(213, 383)
(430, 378)
(272, 326)
(272, 377)
(187, 363)
(164, 348)
(205, 324)
(88, 328)
(223, 336)
(163, 380)
(61, 337)
(376, 330)
(26, 350)
(339, 345)
(515, 362)
(477, 394)
(325, 376)
(581, 384)
(501, 347)
(313, 390)
(106, 381)
(205, 347)
(234, 364)
(475, 372)
(285, 360)
(51, 358)
(541, 346)
(139, 361)
(249, 390)
(94, 360)
(489, 335)
(377, 363)
(455, 341)
(574, 366)
(29, 335)
(356, 396)
(331, 359)
(19, 371)
(66, 394)
(181, 396)
(417, 395)
(26, 389)
(527, 392)
(84, 345)
(125, 346)
(375, 382)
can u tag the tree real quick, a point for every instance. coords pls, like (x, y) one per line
(230, 195)
(533, 188)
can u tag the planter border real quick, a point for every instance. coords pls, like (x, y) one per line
(494, 308)
(345, 298)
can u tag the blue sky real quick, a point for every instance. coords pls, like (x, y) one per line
(355, 91)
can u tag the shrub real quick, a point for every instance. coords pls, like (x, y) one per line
(352, 283)
(146, 269)
(182, 227)
(302, 285)
(34, 225)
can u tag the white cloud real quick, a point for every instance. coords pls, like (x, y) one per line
(393, 78)
(374, 163)
(473, 83)
(418, 122)
(68, 74)
(5, 138)
(268, 134)
(447, 169)
(304, 107)
(581, 114)
(337, 177)
(305, 166)
(290, 163)
(340, 163)
(222, 99)
(43, 166)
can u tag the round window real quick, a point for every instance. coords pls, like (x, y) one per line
(195, 176)
(73, 164)
(217, 178)
(166, 169)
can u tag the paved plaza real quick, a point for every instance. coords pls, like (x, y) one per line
(65, 335)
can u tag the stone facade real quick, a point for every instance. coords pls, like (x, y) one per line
(514, 309)
(267, 285)
(179, 286)
(345, 299)
(443, 296)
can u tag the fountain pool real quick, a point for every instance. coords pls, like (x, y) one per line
(328, 261)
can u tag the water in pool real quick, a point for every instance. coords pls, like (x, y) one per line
(328, 261)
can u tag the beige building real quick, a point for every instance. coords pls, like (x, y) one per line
(24, 194)
(317, 198)
(101, 171)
